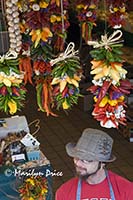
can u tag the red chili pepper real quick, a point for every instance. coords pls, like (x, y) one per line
(100, 110)
(15, 91)
(113, 119)
(56, 90)
(126, 84)
(103, 90)
(92, 88)
(114, 88)
(64, 92)
(99, 117)
(3, 90)
(111, 108)
(23, 88)
(122, 121)
(105, 120)
(124, 91)
(111, 94)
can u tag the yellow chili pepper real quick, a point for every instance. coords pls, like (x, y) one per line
(12, 106)
(103, 102)
(121, 99)
(95, 98)
(113, 102)
(116, 9)
(65, 105)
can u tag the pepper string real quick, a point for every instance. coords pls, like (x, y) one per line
(86, 14)
(44, 89)
(110, 84)
(59, 23)
(117, 14)
(66, 75)
(41, 28)
(44, 96)
(25, 66)
(12, 90)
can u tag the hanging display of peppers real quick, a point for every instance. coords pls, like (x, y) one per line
(110, 84)
(37, 30)
(86, 14)
(117, 13)
(12, 90)
(66, 77)
(43, 26)
(59, 23)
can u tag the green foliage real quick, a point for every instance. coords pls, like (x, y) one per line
(68, 66)
(111, 54)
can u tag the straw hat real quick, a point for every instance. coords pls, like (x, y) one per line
(93, 145)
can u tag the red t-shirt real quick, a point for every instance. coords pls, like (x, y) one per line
(123, 189)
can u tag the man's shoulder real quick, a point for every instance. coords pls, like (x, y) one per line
(118, 178)
(66, 189)
(69, 183)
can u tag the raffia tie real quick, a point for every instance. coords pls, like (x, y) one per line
(9, 55)
(69, 53)
(106, 42)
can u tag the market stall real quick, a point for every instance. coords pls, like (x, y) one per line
(25, 172)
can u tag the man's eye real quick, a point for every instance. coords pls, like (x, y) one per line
(86, 161)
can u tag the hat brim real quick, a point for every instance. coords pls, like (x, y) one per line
(72, 151)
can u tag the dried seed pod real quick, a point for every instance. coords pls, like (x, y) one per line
(10, 23)
(19, 37)
(19, 43)
(13, 46)
(9, 11)
(16, 26)
(12, 35)
(11, 29)
(14, 8)
(9, 17)
(9, 4)
(17, 32)
(13, 40)
(16, 20)
(14, 1)
(18, 49)
(15, 14)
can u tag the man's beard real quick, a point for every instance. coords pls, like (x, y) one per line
(87, 175)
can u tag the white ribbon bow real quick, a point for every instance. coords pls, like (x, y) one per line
(8, 56)
(69, 53)
(106, 42)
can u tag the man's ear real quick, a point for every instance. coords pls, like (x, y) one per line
(103, 165)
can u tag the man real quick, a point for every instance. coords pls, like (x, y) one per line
(91, 154)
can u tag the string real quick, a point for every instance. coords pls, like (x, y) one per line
(69, 53)
(2, 32)
(36, 122)
(105, 21)
(62, 17)
(106, 42)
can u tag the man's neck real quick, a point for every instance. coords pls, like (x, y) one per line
(97, 178)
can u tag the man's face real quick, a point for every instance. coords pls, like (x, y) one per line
(85, 168)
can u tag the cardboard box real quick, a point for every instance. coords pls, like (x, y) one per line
(32, 147)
